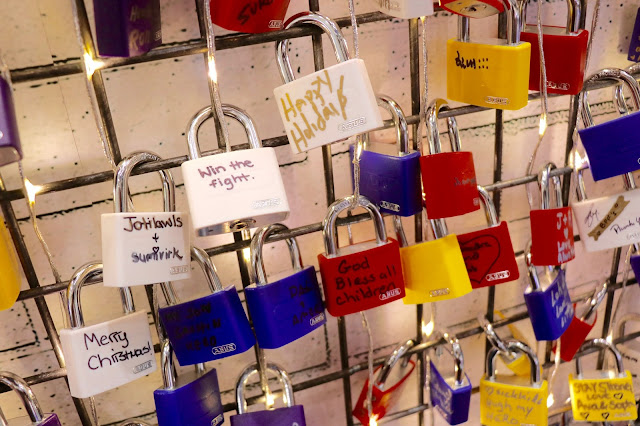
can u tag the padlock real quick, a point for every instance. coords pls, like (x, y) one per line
(126, 28)
(433, 270)
(286, 309)
(515, 361)
(187, 400)
(565, 52)
(31, 404)
(328, 105)
(291, 415)
(246, 182)
(448, 178)
(392, 182)
(605, 395)
(10, 279)
(10, 147)
(360, 276)
(612, 147)
(407, 9)
(450, 389)
(146, 247)
(493, 73)
(249, 16)
(104, 356)
(551, 228)
(488, 253)
(513, 400)
(549, 304)
(634, 44)
(211, 327)
(473, 8)
(385, 393)
(630, 349)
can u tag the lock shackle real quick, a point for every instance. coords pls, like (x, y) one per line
(134, 422)
(514, 23)
(581, 191)
(544, 183)
(489, 206)
(602, 344)
(281, 374)
(257, 244)
(515, 346)
(330, 231)
(169, 377)
(399, 230)
(230, 111)
(575, 9)
(439, 228)
(399, 121)
(326, 24)
(210, 272)
(455, 350)
(28, 398)
(391, 361)
(620, 324)
(494, 339)
(594, 301)
(608, 74)
(433, 134)
(618, 91)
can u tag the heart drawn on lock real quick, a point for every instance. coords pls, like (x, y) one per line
(618, 395)
(584, 415)
(480, 255)
(605, 415)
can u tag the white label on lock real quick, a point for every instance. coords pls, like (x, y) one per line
(140, 248)
(609, 222)
(107, 355)
(328, 106)
(406, 9)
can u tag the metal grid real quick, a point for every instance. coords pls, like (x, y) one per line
(37, 291)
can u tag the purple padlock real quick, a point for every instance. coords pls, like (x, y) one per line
(10, 148)
(27, 396)
(286, 309)
(211, 327)
(291, 415)
(127, 28)
(634, 45)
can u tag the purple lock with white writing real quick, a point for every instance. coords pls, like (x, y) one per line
(634, 46)
(10, 148)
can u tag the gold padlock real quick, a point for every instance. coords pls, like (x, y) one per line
(10, 277)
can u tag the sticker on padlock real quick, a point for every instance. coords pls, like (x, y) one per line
(634, 43)
(289, 308)
(511, 399)
(249, 16)
(342, 102)
(473, 8)
(630, 350)
(10, 147)
(140, 248)
(488, 253)
(10, 278)
(605, 396)
(551, 228)
(385, 393)
(360, 276)
(104, 356)
(211, 327)
(515, 361)
(31, 404)
(291, 415)
(407, 9)
(491, 73)
(126, 28)
(246, 182)
(190, 399)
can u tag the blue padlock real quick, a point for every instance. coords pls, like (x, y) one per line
(287, 309)
(392, 182)
(212, 327)
(549, 306)
(189, 400)
(450, 389)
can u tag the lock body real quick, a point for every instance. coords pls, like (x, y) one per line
(289, 416)
(145, 248)
(575, 335)
(634, 45)
(362, 276)
(635, 264)
(249, 16)
(10, 279)
(603, 399)
(434, 270)
(449, 182)
(565, 58)
(104, 356)
(48, 420)
(513, 401)
(406, 9)
(287, 309)
(212, 327)
(451, 401)
(489, 257)
(491, 75)
(246, 182)
(127, 28)
(10, 147)
(328, 106)
(550, 309)
(552, 236)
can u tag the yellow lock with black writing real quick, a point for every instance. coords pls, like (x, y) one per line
(10, 276)
(492, 73)
(518, 363)
(513, 400)
(607, 396)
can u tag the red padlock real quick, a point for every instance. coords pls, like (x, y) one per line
(360, 276)
(249, 16)
(448, 178)
(551, 229)
(473, 8)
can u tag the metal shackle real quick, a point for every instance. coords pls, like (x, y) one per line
(257, 244)
(391, 361)
(515, 346)
(230, 111)
(495, 340)
(399, 121)
(608, 74)
(514, 23)
(281, 374)
(28, 398)
(454, 349)
(134, 422)
(544, 183)
(169, 378)
(575, 10)
(399, 230)
(327, 25)
(439, 228)
(581, 191)
(618, 91)
(591, 305)
(602, 344)
(201, 257)
(433, 134)
(489, 207)
(620, 324)
(329, 228)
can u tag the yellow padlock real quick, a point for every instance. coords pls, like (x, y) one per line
(513, 400)
(516, 362)
(608, 396)
(433, 270)
(492, 73)
(10, 277)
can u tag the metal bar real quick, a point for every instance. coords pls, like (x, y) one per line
(608, 312)
(573, 119)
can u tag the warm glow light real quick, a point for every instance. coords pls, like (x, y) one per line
(427, 329)
(270, 400)
(373, 421)
(543, 124)
(213, 74)
(91, 64)
(550, 400)
(246, 254)
(32, 190)
(578, 161)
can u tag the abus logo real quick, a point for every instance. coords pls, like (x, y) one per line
(496, 101)
(318, 318)
(218, 420)
(559, 86)
(439, 292)
(389, 206)
(223, 349)
(263, 204)
(348, 125)
(274, 23)
(498, 275)
(142, 367)
(179, 269)
(390, 293)
(389, 5)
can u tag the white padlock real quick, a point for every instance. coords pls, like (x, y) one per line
(407, 9)
(234, 190)
(140, 248)
(109, 354)
(331, 104)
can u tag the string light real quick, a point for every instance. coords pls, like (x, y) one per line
(373, 421)
(213, 73)
(427, 329)
(32, 190)
(91, 65)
